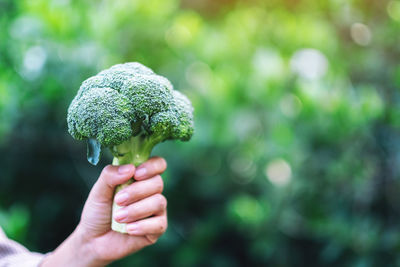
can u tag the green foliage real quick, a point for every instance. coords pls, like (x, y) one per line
(14, 222)
(295, 160)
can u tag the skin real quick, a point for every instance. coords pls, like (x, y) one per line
(93, 243)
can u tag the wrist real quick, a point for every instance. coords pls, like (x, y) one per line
(75, 251)
(83, 245)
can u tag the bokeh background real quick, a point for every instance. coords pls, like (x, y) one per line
(296, 156)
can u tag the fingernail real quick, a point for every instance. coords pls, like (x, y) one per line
(140, 172)
(133, 228)
(121, 197)
(121, 214)
(125, 169)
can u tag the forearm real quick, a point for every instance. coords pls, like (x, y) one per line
(74, 251)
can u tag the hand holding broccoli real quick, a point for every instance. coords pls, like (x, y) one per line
(129, 109)
(93, 243)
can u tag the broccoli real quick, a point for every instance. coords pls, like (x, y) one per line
(128, 109)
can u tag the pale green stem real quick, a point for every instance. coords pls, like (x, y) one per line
(134, 151)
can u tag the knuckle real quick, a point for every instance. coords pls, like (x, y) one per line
(159, 183)
(159, 164)
(163, 226)
(107, 175)
(161, 229)
(163, 164)
(152, 239)
(107, 171)
(162, 201)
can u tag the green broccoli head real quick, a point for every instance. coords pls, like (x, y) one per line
(125, 101)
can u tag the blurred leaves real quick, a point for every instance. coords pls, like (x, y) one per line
(295, 159)
(15, 221)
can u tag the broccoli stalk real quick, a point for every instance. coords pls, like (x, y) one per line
(128, 109)
(134, 151)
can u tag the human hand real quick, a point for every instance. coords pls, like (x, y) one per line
(144, 211)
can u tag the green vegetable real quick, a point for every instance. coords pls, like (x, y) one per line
(129, 109)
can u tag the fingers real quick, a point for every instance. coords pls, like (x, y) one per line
(110, 177)
(151, 226)
(140, 190)
(115, 175)
(153, 205)
(152, 167)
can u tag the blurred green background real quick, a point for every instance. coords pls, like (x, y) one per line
(296, 156)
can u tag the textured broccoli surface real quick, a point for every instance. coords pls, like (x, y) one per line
(129, 109)
(129, 101)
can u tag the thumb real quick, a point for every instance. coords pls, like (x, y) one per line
(110, 177)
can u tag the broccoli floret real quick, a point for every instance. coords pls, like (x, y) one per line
(128, 109)
(102, 114)
(176, 122)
